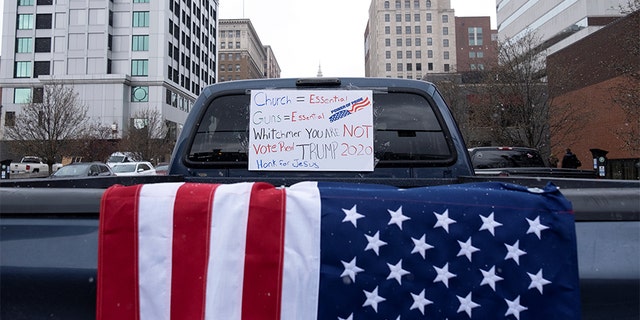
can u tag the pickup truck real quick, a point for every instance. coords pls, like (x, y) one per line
(49, 229)
(31, 167)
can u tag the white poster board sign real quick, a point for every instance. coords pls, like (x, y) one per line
(311, 130)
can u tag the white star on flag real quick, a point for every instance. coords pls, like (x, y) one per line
(490, 278)
(397, 217)
(396, 272)
(373, 299)
(488, 223)
(350, 269)
(419, 301)
(374, 243)
(537, 281)
(443, 220)
(352, 215)
(419, 245)
(514, 252)
(536, 227)
(466, 249)
(514, 307)
(466, 304)
(443, 275)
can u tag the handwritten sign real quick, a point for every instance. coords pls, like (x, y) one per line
(311, 130)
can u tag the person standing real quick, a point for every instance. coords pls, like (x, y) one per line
(570, 160)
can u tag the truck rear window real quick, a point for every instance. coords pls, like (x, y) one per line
(406, 128)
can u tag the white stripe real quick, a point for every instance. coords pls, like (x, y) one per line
(155, 241)
(301, 279)
(227, 249)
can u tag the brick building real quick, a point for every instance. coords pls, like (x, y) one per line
(599, 69)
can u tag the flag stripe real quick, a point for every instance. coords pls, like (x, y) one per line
(264, 253)
(192, 222)
(117, 256)
(302, 235)
(155, 241)
(226, 253)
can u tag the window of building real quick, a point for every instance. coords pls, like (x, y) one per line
(21, 95)
(416, 17)
(445, 18)
(140, 94)
(237, 33)
(409, 54)
(409, 67)
(428, 16)
(480, 54)
(237, 68)
(430, 54)
(238, 56)
(429, 29)
(386, 4)
(416, 29)
(472, 54)
(428, 3)
(398, 30)
(399, 42)
(25, 21)
(418, 54)
(475, 36)
(445, 43)
(43, 45)
(140, 1)
(38, 95)
(44, 21)
(429, 41)
(387, 30)
(9, 119)
(399, 67)
(140, 43)
(480, 66)
(398, 6)
(41, 68)
(407, 4)
(399, 54)
(408, 42)
(416, 4)
(388, 67)
(45, 2)
(24, 45)
(222, 68)
(387, 17)
(387, 54)
(407, 17)
(472, 67)
(140, 19)
(446, 67)
(445, 31)
(140, 67)
(445, 55)
(419, 67)
(430, 66)
(418, 42)
(26, 2)
(222, 45)
(407, 30)
(22, 69)
(398, 17)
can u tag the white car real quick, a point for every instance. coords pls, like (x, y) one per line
(141, 168)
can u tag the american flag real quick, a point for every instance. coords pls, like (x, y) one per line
(336, 251)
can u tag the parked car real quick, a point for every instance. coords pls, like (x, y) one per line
(31, 167)
(162, 169)
(83, 169)
(122, 157)
(144, 168)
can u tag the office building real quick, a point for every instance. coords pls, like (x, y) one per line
(121, 56)
(558, 23)
(241, 54)
(409, 38)
(476, 44)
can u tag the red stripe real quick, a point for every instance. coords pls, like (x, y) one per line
(117, 296)
(262, 285)
(191, 225)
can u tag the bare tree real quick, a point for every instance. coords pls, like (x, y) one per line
(147, 136)
(517, 100)
(49, 124)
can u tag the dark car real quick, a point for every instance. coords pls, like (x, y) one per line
(83, 169)
(505, 157)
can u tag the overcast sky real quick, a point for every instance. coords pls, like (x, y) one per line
(330, 33)
(305, 34)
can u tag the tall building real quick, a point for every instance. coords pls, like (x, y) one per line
(557, 22)
(122, 57)
(241, 54)
(409, 38)
(476, 44)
